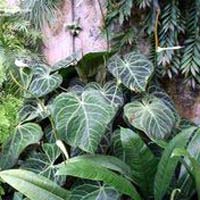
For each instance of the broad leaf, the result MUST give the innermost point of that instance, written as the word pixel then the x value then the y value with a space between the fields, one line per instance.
pixel 30 112
pixel 89 170
pixel 133 70
pixel 82 120
pixel 70 60
pixel 34 186
pixel 109 162
pixel 43 82
pixel 151 115
pixel 110 91
pixel 19 196
pixel 167 164
pixel 161 94
pixel 116 146
pixel 24 135
pixel 94 192
pixel 43 163
pixel 142 161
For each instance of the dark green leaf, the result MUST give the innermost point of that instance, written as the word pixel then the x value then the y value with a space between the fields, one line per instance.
pixel 167 164
pixel 142 161
pixel 24 135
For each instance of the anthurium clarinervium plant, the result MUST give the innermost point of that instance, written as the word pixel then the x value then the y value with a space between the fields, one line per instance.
pixel 118 138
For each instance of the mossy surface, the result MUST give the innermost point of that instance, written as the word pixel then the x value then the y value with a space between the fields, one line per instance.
pixel 9 106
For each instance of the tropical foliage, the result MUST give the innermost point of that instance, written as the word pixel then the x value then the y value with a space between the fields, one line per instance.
pixel 100 126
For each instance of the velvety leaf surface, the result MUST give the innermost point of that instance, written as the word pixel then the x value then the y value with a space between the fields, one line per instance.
pixel 110 91
pixel 152 116
pixel 43 82
pixel 24 135
pixel 133 70
pixel 43 163
pixel 94 192
pixel 82 120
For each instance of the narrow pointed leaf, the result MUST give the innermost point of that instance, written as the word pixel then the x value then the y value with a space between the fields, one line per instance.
pixel 109 162
pixel 139 157
pixel 92 171
pixel 167 164
pixel 195 166
pixel 34 186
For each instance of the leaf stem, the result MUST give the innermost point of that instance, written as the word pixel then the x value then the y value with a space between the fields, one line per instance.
pixel 39 101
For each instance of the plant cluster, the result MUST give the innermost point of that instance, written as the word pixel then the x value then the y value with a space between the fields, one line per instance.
pixel 172 26
pixel 99 126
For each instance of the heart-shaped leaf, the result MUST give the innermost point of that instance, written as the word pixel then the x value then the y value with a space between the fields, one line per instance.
pixel 151 115
pixel 30 112
pixel 94 192
pixel 110 91
pixel 43 163
pixel 24 135
pixel 34 186
pixel 43 82
pixel 82 120
pixel 133 70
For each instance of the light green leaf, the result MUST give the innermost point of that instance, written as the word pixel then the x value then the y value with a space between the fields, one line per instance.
pixel 142 161
pixel 151 115
pixel 94 192
pixel 43 163
pixel 167 164
pixel 110 91
pixel 24 135
pixel 34 186
pixel 133 70
pixel 90 170
pixel 19 196
pixel 82 120
pixel 43 82
pixel 116 145
pixel 109 162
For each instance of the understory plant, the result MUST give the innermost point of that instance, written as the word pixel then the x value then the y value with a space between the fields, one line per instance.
pixel 98 126
pixel 86 140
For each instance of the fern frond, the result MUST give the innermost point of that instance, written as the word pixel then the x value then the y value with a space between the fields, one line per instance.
pixel 40 12
pixel 143 4
pixel 190 65
pixel 120 10
pixel 170 27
